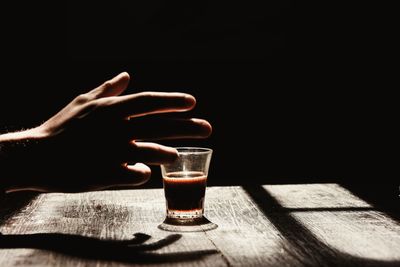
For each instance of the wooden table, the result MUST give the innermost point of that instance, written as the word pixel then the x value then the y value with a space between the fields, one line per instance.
pixel 261 225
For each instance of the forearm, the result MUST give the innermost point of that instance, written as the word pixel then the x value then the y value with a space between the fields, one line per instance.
pixel 21 136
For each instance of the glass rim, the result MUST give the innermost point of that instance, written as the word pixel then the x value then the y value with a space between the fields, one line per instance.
pixel 193 150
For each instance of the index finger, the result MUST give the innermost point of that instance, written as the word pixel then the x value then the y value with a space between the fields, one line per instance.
pixel 145 103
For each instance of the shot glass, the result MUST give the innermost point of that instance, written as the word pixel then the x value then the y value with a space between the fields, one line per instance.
pixel 184 183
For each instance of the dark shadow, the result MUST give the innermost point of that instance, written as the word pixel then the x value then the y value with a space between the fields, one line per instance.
pixel 301 243
pixel 326 209
pixel 14 203
pixel 133 250
pixel 384 196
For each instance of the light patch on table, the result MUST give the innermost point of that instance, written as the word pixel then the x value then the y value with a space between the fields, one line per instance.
pixel 352 232
pixel 244 235
pixel 314 196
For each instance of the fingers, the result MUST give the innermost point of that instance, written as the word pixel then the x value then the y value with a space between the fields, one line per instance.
pixel 162 129
pixel 112 87
pixel 128 176
pixel 139 171
pixel 146 103
pixel 140 104
pixel 150 153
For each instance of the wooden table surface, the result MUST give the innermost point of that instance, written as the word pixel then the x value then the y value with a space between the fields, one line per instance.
pixel 261 225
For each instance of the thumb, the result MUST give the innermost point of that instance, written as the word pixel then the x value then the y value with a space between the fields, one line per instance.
pixel 112 87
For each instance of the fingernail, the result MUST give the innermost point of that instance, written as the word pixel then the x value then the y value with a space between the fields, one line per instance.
pixel 206 128
pixel 173 155
pixel 190 100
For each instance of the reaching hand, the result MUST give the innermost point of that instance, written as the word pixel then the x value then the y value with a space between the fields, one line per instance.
pixel 98 140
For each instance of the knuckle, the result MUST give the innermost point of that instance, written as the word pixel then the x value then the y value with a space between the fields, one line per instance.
pixel 106 85
pixel 82 99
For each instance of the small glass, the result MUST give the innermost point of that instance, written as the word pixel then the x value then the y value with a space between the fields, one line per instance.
pixel 185 182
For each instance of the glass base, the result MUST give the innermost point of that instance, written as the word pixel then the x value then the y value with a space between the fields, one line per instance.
pixel 185 215
pixel 187 225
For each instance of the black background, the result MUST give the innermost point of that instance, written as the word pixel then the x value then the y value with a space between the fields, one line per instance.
pixel 296 92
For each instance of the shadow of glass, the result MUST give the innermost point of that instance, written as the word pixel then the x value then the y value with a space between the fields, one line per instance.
pixel 301 243
pixel 197 225
pixel 133 250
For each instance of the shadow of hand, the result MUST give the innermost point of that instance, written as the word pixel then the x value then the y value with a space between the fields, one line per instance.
pixel 133 250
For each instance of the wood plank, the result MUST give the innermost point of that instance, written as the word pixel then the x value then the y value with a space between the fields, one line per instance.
pixel 333 232
pixel 271 225
pixel 245 236
pixel 115 215
pixel 341 220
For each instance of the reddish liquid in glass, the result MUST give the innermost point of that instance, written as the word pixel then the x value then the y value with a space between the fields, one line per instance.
pixel 184 191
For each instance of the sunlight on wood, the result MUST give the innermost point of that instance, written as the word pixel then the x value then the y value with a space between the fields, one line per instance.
pixel 270 225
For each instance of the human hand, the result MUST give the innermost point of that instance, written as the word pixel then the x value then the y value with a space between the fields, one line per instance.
pixel 98 140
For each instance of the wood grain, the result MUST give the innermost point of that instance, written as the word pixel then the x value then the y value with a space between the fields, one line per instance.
pixel 270 225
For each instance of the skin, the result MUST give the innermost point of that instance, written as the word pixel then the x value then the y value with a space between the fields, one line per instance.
pixel 101 140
